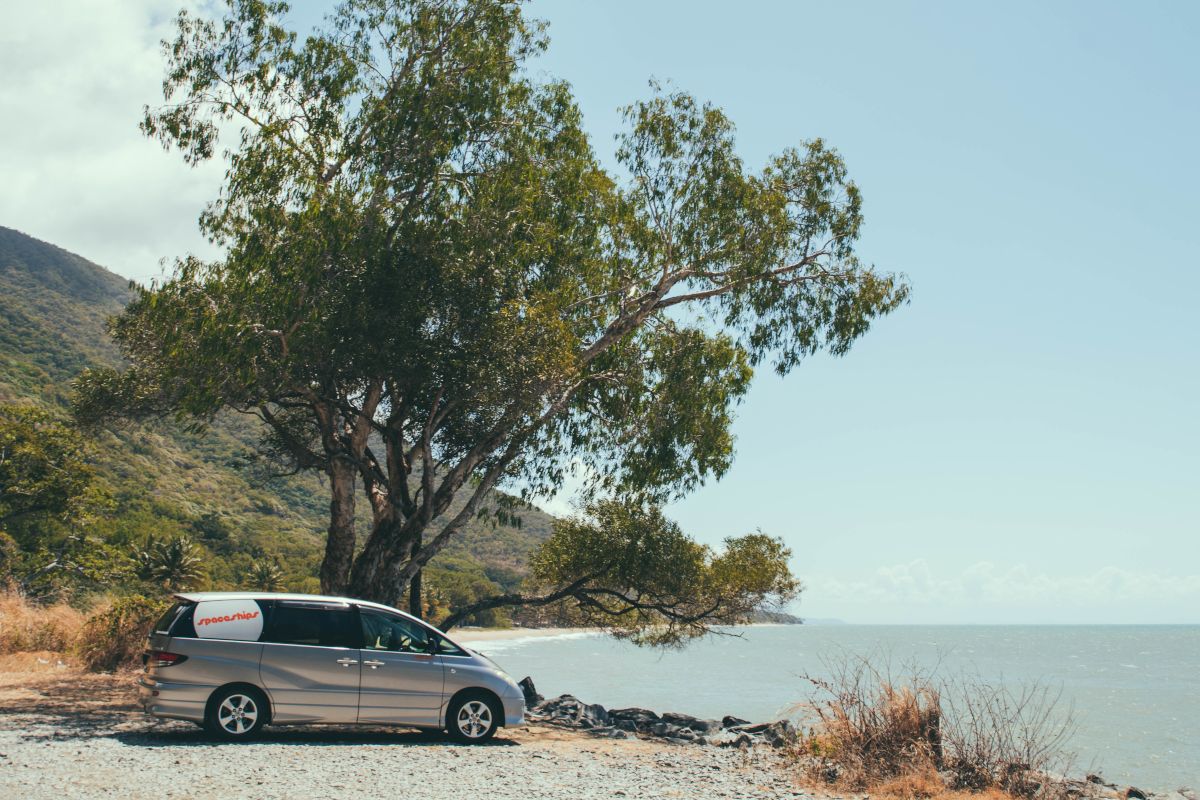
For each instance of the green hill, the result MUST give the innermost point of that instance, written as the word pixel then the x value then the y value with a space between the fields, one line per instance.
pixel 169 482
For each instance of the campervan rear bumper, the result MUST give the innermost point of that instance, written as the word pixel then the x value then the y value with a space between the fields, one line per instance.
pixel 173 700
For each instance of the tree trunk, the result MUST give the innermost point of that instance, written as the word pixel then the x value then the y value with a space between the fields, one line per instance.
pixel 339 546
pixel 414 586
pixel 373 575
pixel 414 596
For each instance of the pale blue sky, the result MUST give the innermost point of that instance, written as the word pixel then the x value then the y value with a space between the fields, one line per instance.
pixel 1019 444
pixel 1033 168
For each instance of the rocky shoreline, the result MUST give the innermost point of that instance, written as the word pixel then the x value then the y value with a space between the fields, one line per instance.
pixel 568 711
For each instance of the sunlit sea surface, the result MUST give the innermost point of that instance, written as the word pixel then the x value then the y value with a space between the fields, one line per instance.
pixel 1134 690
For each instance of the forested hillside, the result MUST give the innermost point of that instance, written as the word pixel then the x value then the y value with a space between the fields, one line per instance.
pixel 165 482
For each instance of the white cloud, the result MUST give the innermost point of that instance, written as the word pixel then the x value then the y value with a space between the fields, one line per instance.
pixel 987 592
pixel 76 171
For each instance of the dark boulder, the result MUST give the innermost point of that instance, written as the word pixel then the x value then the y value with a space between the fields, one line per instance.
pixel 559 709
pixel 640 719
pixel 532 698
pixel 690 722
pixel 594 716
pixel 684 720
pixel 780 734
pixel 678 734
pixel 731 721
pixel 571 712
pixel 1134 793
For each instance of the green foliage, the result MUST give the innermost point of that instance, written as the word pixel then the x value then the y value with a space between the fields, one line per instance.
pixel 627 568
pixel 115 638
pixel 44 342
pixel 160 480
pixel 265 576
pixel 174 564
pixel 70 565
pixel 457 583
pixel 44 469
pixel 432 282
pixel 660 586
pixel 9 553
pixel 50 497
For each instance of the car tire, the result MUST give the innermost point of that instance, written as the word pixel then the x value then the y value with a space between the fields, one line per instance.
pixel 473 718
pixel 236 713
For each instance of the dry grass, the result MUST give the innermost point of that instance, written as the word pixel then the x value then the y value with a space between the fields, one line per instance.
pixel 919 737
pixel 26 626
pixel 928 785
pixel 919 785
pixel 111 637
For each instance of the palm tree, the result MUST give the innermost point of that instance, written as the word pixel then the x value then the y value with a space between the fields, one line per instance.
pixel 266 576
pixel 175 564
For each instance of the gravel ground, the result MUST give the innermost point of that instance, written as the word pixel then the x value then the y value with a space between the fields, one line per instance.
pixel 64 734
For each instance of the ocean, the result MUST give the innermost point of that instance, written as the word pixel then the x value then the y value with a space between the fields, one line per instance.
pixel 1134 691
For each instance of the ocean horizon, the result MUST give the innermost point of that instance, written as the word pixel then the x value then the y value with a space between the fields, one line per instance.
pixel 1133 691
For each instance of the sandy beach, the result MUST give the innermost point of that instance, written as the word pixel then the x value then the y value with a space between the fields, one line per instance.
pixel 468 635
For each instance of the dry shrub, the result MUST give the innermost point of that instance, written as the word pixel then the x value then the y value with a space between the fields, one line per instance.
pixel 918 737
pixel 115 638
pixel 1005 738
pixel 871 729
pixel 26 626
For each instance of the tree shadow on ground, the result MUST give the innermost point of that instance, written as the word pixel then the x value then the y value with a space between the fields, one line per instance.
pixel 73 704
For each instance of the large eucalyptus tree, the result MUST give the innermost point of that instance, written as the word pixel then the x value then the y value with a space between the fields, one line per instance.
pixel 432 286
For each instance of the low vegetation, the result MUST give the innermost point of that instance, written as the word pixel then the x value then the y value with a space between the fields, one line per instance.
pixel 111 635
pixel 26 626
pixel 115 637
pixel 918 735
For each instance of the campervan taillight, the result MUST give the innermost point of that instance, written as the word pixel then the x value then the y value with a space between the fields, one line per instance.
pixel 161 658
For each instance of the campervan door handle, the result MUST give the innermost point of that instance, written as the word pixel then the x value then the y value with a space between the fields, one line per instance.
pixel 374 664
pixel 345 662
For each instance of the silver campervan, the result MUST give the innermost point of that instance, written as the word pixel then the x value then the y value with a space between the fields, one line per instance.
pixel 236 661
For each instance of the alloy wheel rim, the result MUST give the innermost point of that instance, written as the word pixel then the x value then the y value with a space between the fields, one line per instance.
pixel 237 714
pixel 475 719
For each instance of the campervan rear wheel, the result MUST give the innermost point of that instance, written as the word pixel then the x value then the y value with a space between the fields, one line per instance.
pixel 236 713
